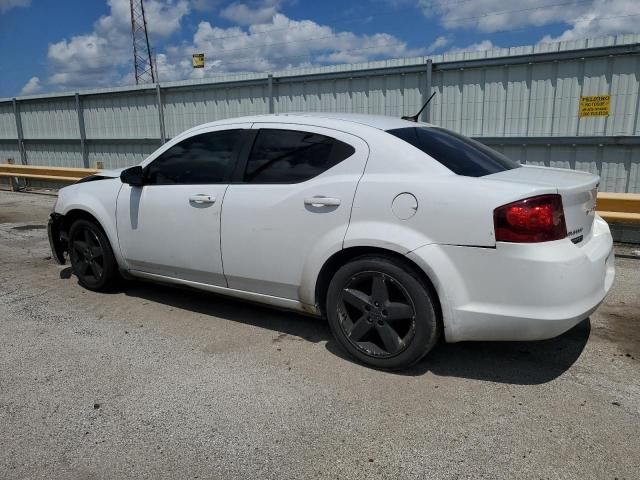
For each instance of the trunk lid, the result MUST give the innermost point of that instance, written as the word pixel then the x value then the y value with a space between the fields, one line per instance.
pixel 578 190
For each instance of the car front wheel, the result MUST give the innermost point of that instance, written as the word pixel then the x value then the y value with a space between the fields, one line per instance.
pixel 382 312
pixel 92 259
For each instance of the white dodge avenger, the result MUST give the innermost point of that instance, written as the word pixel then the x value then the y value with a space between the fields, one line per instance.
pixel 397 232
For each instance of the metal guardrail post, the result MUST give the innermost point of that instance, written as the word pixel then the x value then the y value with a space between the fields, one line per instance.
pixel 270 92
pixel 83 134
pixel 16 113
pixel 163 135
pixel 426 115
pixel 13 181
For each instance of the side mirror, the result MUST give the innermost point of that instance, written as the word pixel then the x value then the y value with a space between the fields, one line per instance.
pixel 133 176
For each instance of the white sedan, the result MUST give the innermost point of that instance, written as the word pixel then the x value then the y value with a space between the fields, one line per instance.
pixel 397 232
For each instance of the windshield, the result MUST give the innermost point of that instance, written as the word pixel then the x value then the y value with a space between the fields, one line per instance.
pixel 460 154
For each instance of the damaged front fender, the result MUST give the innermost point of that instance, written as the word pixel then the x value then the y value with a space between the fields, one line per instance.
pixel 57 238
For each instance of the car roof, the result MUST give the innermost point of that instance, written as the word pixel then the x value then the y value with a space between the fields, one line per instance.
pixel 321 119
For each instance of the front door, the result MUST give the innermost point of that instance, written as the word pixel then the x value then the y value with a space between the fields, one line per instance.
pixel 171 225
pixel 292 203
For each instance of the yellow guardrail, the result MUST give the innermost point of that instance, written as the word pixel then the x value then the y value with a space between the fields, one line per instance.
pixel 619 207
pixel 52 174
pixel 613 207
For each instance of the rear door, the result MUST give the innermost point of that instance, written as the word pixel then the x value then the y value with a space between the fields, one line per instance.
pixel 292 201
pixel 171 225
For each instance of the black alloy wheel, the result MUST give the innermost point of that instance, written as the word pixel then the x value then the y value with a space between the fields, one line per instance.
pixel 383 312
pixel 377 314
pixel 92 258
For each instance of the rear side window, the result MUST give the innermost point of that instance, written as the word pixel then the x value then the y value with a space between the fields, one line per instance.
pixel 205 158
pixel 291 156
pixel 458 153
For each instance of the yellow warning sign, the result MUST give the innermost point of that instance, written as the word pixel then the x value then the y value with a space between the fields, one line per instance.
pixel 198 60
pixel 595 106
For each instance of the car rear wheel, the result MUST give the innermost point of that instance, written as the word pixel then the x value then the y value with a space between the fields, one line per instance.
pixel 92 259
pixel 382 312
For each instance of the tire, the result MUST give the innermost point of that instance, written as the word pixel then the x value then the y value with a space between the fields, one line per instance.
pixel 370 299
pixel 91 256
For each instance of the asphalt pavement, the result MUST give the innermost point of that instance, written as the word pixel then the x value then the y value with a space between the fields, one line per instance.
pixel 159 382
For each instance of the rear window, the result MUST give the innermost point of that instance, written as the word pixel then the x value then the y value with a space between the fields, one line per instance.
pixel 292 156
pixel 460 154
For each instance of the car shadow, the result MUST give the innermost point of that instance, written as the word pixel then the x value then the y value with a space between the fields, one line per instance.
pixel 517 363
pixel 310 328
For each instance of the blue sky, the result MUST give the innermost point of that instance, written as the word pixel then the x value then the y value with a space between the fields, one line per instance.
pixel 48 45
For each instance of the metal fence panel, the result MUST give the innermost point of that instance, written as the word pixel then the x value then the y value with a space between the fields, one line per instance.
pixel 588 158
pixel 529 96
pixel 567 99
pixel 561 156
pixel 118 155
pixel 121 116
pixel 9 150
pixel 613 174
pixel 360 95
pixel 49 119
pixel 624 95
pixel 187 108
pixel 517 110
pixel 59 154
pixel 495 100
pixel 633 182
pixel 542 79
pixel 514 152
pixel 450 105
pixel 7 121
pixel 472 102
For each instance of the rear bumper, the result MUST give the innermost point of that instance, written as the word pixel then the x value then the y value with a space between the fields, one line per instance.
pixel 520 291
pixel 56 241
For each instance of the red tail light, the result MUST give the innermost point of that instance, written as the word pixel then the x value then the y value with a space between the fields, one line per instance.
pixel 535 219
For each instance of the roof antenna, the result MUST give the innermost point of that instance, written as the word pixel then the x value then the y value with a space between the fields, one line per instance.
pixel 414 118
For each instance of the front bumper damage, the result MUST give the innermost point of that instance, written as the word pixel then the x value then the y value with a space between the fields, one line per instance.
pixel 58 240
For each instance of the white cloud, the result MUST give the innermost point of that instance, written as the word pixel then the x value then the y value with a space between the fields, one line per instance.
pixel 6 5
pixel 494 15
pixel 279 44
pixel 603 18
pixel 163 17
pixel 95 59
pixel 31 87
pixel 204 5
pixel 244 14
pixel 438 43
pixel 103 56
pixel 586 18
pixel 475 47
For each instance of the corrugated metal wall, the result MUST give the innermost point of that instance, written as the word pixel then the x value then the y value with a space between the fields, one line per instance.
pixel 522 101
pixel 7 122
pixel 185 108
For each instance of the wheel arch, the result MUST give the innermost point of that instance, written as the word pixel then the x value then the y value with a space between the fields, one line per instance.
pixel 77 212
pixel 340 258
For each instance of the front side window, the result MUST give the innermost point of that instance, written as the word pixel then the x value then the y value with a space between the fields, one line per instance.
pixel 201 159
pixel 458 153
pixel 291 156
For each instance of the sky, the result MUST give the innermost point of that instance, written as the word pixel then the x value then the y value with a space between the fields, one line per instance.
pixel 52 45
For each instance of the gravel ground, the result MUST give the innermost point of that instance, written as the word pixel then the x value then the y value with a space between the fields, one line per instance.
pixel 158 382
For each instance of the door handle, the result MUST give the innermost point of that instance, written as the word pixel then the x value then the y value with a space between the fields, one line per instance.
pixel 322 201
pixel 202 198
